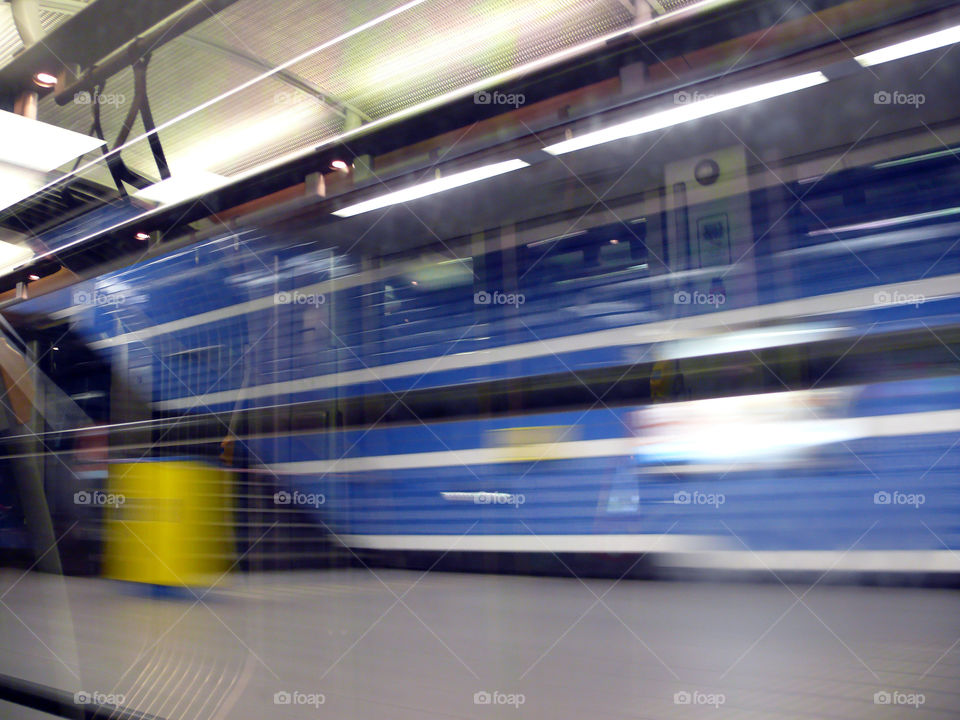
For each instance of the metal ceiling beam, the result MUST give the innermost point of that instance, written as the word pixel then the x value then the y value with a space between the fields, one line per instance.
pixel 64 7
pixel 340 107
pixel 26 16
pixel 96 30
pixel 189 15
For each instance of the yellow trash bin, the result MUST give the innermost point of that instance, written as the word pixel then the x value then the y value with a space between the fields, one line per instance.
pixel 168 523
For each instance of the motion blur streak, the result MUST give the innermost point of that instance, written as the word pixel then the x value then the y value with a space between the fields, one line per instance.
pixel 576 359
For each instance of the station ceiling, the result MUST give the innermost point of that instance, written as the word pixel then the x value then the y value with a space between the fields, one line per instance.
pixel 422 51
pixel 258 80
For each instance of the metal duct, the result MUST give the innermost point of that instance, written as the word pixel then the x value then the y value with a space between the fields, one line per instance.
pixel 26 16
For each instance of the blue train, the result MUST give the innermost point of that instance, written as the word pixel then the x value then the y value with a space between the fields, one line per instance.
pixel 705 374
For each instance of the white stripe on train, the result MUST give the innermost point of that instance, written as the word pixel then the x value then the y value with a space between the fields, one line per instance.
pixel 905 424
pixel 698 552
pixel 655 332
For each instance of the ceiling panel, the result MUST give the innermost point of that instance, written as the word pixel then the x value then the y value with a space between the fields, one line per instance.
pixel 417 54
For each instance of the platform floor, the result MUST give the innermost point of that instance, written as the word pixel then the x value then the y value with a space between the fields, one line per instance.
pixel 397 644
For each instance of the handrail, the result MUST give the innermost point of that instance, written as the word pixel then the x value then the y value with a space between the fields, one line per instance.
pixel 61 703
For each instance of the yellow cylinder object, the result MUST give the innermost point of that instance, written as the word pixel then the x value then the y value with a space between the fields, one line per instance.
pixel 168 523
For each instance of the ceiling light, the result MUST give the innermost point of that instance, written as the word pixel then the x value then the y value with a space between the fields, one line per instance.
pixel 12 256
pixel 688 112
pixel 910 47
pixel 45 80
pixel 432 187
pixel 33 277
pixel 35 145
pixel 340 165
pixel 17 183
pixel 142 236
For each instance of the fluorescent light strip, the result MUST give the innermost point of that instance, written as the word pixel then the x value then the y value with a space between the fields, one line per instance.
pixel 40 146
pixel 691 111
pixel 915 46
pixel 12 256
pixel 432 187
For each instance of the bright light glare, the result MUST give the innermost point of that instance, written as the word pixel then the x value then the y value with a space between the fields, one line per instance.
pixel 688 112
pixel 35 145
pixel 12 256
pixel 182 185
pixel 45 80
pixel 746 341
pixel 17 183
pixel 910 47
pixel 432 187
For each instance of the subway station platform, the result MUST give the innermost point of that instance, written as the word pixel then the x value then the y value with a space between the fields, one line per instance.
pixel 399 644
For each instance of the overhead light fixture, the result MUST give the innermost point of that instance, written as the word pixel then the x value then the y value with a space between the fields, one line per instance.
pixel 340 166
pixel 688 112
pixel 183 184
pixel 142 236
pixel 13 256
pixel 44 80
pixel 910 47
pixel 35 145
pixel 17 183
pixel 432 187
pixel 33 277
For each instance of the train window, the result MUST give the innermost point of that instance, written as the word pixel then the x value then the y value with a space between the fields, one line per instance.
pixel 586 253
